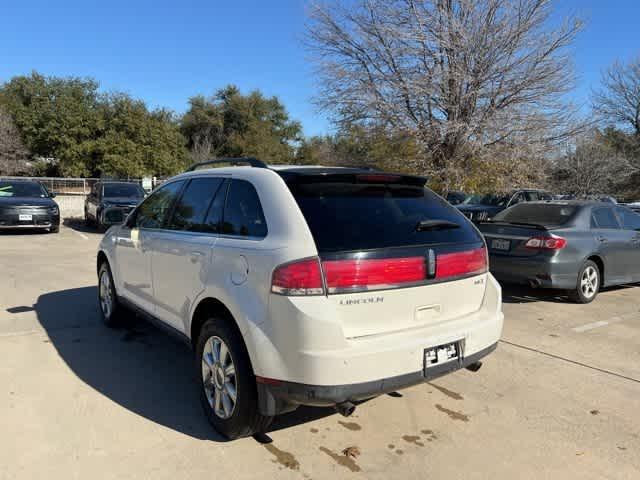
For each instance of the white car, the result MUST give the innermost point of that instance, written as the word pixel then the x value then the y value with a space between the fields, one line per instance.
pixel 303 285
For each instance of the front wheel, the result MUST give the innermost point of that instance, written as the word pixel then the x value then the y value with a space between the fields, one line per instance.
pixel 588 286
pixel 227 384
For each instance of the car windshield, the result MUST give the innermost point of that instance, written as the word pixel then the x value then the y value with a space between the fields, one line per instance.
pixel 22 189
pixel 548 215
pixel 115 190
pixel 490 200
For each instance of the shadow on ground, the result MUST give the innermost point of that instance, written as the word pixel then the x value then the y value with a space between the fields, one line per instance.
pixel 79 225
pixel 138 367
pixel 522 294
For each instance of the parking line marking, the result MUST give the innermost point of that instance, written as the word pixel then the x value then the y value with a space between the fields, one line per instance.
pixel 590 326
pixel 82 235
pixel 604 323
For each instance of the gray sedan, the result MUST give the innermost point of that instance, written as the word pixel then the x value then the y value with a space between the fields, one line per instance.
pixel 578 246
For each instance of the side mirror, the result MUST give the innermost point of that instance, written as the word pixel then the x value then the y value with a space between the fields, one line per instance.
pixel 131 220
pixel 52 195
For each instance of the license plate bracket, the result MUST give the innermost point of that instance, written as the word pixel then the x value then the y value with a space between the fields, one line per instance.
pixel 500 244
pixel 435 356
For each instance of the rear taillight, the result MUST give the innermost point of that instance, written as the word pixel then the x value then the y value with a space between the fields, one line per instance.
pixel 546 243
pixel 345 275
pixel 457 264
pixel 305 277
pixel 302 277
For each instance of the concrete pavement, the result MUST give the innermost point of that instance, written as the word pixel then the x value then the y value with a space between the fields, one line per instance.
pixel 559 398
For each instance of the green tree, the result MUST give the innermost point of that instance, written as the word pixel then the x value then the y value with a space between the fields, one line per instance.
pixel 231 124
pixel 92 134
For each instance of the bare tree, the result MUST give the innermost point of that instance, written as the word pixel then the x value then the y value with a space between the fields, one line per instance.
pixel 13 154
pixel 618 99
pixel 592 167
pixel 459 75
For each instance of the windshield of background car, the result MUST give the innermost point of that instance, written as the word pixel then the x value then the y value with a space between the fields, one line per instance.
pixel 22 189
pixel 538 214
pixel 352 216
pixel 488 200
pixel 123 190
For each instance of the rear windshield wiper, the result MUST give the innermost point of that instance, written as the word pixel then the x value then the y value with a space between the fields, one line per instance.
pixel 435 225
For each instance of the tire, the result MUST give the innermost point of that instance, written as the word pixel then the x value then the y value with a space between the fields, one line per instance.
pixel 115 315
pixel 588 283
pixel 55 229
pixel 87 221
pixel 235 419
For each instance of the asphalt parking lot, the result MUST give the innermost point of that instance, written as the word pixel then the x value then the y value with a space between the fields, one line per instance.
pixel 560 398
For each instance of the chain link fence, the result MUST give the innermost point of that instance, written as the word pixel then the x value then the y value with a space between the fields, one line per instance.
pixel 69 186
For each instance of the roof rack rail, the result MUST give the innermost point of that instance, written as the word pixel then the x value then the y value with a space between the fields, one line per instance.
pixel 236 162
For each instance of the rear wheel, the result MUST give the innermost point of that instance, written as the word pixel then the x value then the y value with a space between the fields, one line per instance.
pixel 112 311
pixel 589 281
pixel 227 384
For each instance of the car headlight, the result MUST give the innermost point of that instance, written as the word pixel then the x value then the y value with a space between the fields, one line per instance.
pixel 54 210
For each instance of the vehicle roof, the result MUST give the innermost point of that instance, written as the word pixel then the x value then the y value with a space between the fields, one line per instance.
pixel 119 182
pixel 576 203
pixel 20 180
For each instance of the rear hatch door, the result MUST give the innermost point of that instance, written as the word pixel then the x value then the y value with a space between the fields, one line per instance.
pixel 394 254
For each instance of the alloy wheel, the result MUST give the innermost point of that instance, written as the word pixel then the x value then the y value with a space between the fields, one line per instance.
pixel 219 377
pixel 589 282
pixel 106 294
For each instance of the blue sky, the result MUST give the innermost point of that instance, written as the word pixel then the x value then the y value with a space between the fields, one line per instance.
pixel 165 52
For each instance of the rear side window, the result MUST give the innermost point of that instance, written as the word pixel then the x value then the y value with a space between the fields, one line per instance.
pixel 630 220
pixel 352 216
pixel 153 212
pixel 189 212
pixel 604 218
pixel 538 214
pixel 243 213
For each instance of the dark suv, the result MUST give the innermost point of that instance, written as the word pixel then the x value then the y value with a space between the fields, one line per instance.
pixel 479 208
pixel 109 203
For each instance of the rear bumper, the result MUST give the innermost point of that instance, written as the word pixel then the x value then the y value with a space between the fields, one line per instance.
pixel 285 396
pixel 534 272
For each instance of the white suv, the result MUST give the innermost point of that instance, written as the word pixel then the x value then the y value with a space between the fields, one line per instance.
pixel 303 285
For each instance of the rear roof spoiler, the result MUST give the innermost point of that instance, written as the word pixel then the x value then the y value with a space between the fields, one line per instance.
pixel 224 162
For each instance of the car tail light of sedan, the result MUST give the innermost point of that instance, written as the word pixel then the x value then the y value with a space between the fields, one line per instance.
pixel 552 242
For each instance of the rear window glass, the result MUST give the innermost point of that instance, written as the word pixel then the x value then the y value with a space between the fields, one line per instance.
pixel 539 214
pixel 243 213
pixel 349 216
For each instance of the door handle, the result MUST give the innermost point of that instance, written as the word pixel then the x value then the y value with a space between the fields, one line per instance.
pixel 602 239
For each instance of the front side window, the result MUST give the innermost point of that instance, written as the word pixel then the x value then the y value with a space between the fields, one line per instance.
pixel 153 212
pixel 189 212
pixel 604 218
pixel 243 213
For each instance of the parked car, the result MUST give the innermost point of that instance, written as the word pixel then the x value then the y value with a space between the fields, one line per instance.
pixel 303 286
pixel 455 198
pixel 578 246
pixel 635 206
pixel 479 208
pixel 110 202
pixel 28 204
